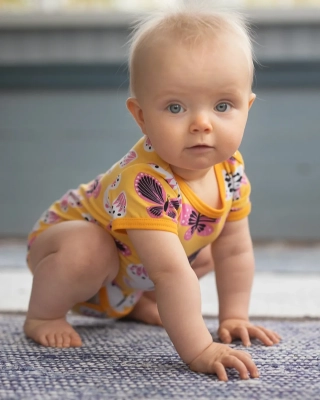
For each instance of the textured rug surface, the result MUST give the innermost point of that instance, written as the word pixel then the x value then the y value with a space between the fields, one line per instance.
pixel 127 360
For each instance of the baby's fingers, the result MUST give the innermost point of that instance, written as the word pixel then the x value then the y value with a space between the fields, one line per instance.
pixel 243 334
pixel 271 335
pixel 218 369
pixel 248 362
pixel 263 334
pixel 241 366
pixel 225 335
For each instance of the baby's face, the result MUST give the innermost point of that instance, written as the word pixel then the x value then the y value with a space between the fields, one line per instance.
pixel 195 102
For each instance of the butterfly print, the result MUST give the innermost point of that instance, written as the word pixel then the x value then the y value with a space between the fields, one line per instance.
pixel 167 176
pixel 119 206
pixel 30 242
pixel 138 278
pixel 70 199
pixel 197 222
pixel 50 217
pixel 118 300
pixel 115 183
pixel 107 204
pixel 123 248
pixel 106 200
pixel 94 188
pixel 150 189
pixel 232 160
pixel 132 155
pixel 233 182
pixel 89 218
pixel 148 145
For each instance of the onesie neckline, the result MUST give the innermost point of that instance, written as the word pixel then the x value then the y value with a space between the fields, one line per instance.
pixel 200 205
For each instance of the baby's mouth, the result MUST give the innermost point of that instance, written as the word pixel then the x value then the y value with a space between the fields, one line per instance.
pixel 201 146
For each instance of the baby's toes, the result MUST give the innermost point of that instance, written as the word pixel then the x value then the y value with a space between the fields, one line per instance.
pixel 66 339
pixel 43 340
pixel 51 338
pixel 75 340
pixel 59 340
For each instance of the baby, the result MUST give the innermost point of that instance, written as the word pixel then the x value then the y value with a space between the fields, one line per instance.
pixel 176 202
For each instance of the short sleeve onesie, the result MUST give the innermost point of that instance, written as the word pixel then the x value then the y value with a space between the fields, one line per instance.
pixel 141 192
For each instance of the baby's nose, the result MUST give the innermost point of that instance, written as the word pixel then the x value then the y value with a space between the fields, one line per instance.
pixel 201 123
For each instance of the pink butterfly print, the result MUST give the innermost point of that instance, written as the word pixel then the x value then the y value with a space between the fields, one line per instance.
pixel 70 199
pixel 30 242
pixel 233 209
pixel 50 217
pixel 239 177
pixel 198 222
pixel 123 248
pixel 138 277
pixel 238 181
pixel 232 160
pixel 119 206
pixel 118 300
pixel 89 218
pixel 150 189
pixel 107 205
pixel 167 176
pixel 148 145
pixel 115 183
pixel 234 181
pixel 94 187
pixel 244 179
pixel 132 155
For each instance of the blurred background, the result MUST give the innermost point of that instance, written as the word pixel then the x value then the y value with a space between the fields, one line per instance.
pixel 63 120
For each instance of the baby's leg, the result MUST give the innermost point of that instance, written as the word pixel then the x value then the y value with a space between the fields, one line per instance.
pixel 70 261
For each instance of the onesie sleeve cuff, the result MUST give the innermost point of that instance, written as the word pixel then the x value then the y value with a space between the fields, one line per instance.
pixel 237 215
pixel 144 224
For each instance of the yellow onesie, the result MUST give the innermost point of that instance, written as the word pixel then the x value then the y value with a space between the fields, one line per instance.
pixel 141 192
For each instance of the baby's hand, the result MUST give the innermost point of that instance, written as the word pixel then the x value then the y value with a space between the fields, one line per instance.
pixel 215 358
pixel 238 328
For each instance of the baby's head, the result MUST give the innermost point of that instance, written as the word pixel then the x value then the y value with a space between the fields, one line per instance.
pixel 186 27
pixel 191 73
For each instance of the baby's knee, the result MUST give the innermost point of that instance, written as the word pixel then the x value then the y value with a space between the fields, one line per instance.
pixel 81 249
pixel 92 252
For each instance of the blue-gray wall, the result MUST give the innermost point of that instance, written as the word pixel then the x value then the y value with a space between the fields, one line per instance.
pixel 63 120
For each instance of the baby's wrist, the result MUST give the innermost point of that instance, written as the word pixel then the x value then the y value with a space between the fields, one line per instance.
pixel 243 317
pixel 199 355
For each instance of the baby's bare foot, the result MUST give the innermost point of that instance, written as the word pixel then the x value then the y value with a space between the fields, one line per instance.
pixel 146 311
pixel 52 333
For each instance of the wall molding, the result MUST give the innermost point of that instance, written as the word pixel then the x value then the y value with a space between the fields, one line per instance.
pixel 115 76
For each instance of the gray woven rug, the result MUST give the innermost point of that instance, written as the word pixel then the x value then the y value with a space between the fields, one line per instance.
pixel 127 360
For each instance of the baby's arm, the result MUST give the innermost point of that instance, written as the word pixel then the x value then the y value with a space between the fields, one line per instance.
pixel 179 302
pixel 234 266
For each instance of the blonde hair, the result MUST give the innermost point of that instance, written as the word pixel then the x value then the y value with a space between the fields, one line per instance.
pixel 189 25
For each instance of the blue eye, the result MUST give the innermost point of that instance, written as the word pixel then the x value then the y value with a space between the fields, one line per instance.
pixel 175 108
pixel 222 107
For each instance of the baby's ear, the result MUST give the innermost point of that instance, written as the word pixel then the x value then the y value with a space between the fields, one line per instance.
pixel 251 99
pixel 137 113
